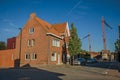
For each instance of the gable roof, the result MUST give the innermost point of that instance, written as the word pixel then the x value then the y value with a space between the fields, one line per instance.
pixel 60 27
pixel 55 29
pixel 44 24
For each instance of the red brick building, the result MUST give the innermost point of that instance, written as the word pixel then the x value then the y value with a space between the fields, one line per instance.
pixel 40 42
pixel 11 43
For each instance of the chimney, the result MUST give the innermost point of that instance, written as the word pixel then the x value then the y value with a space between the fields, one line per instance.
pixel 32 16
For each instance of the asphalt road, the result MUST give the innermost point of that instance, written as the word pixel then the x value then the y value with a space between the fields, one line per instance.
pixel 98 71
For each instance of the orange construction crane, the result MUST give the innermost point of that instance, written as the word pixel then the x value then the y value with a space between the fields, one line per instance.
pixel 89 45
pixel 104 36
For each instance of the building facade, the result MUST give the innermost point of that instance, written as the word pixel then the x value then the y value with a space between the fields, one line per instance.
pixel 41 43
pixel 11 43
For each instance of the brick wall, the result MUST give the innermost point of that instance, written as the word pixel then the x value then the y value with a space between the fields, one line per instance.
pixel 7 58
pixel 40 47
pixel 11 43
pixel 57 50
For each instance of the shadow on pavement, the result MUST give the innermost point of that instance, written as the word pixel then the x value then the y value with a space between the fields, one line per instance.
pixel 28 73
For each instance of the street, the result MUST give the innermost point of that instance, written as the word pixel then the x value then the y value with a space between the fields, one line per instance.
pixel 97 71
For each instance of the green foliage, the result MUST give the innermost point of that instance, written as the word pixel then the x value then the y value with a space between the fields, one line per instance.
pixel 2 45
pixel 75 44
pixel 117 44
pixel 86 56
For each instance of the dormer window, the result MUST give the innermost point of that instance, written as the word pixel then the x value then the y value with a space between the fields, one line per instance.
pixel 31 31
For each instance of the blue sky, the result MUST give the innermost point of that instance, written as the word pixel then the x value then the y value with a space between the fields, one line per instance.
pixel 86 15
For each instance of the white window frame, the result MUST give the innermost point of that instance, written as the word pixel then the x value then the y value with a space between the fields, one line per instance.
pixel 34 56
pixel 53 42
pixel 53 56
pixel 32 42
pixel 27 56
pixel 31 30
pixel 56 42
pixel 28 42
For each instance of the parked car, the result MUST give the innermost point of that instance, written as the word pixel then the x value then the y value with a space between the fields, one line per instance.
pixel 80 61
pixel 95 60
pixel 92 60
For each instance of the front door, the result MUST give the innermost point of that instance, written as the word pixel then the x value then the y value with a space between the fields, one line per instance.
pixel 58 58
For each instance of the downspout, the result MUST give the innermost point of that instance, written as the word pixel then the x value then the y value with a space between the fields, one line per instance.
pixel 48 49
pixel 20 46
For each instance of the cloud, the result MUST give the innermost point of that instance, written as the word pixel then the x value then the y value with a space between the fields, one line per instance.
pixel 76 5
pixel 83 7
pixel 78 10
pixel 5 20
pixel 10 23
pixel 8 30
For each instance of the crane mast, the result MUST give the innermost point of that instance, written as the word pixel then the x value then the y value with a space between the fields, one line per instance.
pixel 104 52
pixel 103 34
pixel 89 44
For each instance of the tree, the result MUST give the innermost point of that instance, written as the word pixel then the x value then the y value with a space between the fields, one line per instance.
pixel 75 44
pixel 117 45
pixel 2 45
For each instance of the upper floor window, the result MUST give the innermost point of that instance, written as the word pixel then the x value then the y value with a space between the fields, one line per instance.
pixel 31 30
pixel 33 42
pixel 56 43
pixel 29 43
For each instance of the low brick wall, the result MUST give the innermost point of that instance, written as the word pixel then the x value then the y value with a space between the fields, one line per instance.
pixel 7 58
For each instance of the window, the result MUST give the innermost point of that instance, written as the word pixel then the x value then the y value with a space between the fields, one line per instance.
pixel 53 57
pixel 53 42
pixel 29 43
pixel 31 31
pixel 56 43
pixel 27 56
pixel 33 42
pixel 34 56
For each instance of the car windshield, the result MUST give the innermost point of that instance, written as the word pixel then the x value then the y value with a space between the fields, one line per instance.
pixel 81 59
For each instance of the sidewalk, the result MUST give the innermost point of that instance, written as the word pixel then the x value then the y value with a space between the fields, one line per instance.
pixel 114 73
